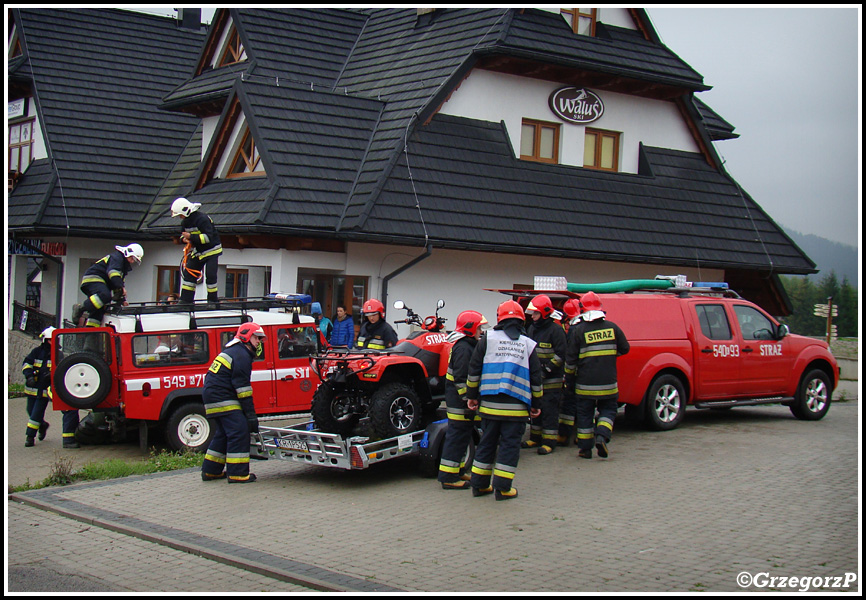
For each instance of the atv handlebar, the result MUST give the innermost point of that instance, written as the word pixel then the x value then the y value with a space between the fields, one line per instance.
pixel 432 323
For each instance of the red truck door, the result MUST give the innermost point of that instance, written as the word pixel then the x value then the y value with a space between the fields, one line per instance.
pixel 718 355
pixel 765 368
pixel 294 382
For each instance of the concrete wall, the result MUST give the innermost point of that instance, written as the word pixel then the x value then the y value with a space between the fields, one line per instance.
pixel 18 345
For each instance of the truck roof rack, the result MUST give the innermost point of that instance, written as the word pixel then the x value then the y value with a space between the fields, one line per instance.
pixel 284 301
pixel 684 292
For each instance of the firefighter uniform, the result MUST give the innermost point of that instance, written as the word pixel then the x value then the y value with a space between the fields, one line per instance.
pixel 101 280
pixel 376 336
pixel 37 375
pixel 228 403
pixel 551 340
pixel 505 376
pixel 590 372
pixel 461 420
pixel 205 256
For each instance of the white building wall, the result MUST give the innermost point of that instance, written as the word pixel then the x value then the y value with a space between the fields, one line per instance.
pixel 141 283
pixel 208 128
pixel 460 278
pixel 497 97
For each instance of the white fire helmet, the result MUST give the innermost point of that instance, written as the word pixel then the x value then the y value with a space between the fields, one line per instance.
pixel 133 250
pixel 183 207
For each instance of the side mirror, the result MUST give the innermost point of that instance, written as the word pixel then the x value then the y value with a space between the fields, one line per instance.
pixel 399 305
pixel 782 331
pixel 440 304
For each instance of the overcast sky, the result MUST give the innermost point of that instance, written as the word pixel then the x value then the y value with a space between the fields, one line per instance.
pixel 788 80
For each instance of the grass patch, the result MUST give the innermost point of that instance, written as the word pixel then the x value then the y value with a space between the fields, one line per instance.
pixel 15 390
pixel 61 472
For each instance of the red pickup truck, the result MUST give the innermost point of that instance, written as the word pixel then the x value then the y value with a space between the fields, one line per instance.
pixel 710 349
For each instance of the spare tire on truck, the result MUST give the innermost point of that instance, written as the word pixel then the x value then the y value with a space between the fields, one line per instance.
pixel 82 380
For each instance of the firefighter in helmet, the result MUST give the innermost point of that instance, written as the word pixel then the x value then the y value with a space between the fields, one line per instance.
pixel 594 343
pixel 199 233
pixel 550 337
pixel 104 281
pixel 37 387
pixel 504 385
pixel 567 408
pixel 228 403
pixel 375 333
pixel 461 420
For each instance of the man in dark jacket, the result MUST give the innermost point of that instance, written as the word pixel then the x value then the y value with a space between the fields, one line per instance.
pixel 198 231
pixel 376 333
pixel 594 344
pixel 461 420
pixel 550 337
pixel 104 280
pixel 343 333
pixel 505 386
pixel 37 387
pixel 228 403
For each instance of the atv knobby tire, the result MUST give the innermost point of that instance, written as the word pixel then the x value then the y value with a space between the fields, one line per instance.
pixel 396 409
pixel 330 411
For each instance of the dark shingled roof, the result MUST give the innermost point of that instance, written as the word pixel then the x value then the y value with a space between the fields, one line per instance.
pixel 612 50
pixel 308 45
pixel 716 126
pixel 475 194
pixel 331 96
pixel 99 77
pixel 312 144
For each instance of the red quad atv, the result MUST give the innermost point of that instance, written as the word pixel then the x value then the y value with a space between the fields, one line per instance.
pixel 399 389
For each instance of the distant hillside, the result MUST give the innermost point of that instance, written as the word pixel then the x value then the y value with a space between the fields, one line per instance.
pixel 828 256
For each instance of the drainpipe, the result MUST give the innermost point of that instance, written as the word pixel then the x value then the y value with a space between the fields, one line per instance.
pixel 407 266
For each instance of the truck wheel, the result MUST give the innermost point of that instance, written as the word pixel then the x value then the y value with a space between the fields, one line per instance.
pixel 92 430
pixel 332 412
pixel 665 403
pixel 187 428
pixel 813 396
pixel 82 380
pixel 395 409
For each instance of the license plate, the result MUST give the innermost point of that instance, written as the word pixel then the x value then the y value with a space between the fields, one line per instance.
pixel 297 445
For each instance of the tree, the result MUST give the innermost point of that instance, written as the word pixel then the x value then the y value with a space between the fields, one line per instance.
pixel 848 320
pixel 805 294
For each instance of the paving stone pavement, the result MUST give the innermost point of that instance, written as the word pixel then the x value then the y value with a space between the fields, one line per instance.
pixel 750 490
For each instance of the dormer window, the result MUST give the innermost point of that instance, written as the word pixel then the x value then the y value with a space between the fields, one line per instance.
pixel 234 49
pixel 247 161
pixel 582 20
pixel 14 45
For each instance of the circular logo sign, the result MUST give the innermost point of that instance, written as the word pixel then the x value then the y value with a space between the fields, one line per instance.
pixel 576 105
pixel 306 385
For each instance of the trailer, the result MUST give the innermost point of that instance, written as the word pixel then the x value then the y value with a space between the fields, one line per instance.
pixel 305 444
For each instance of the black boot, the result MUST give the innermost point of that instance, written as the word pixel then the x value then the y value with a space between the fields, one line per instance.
pixel 601 446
